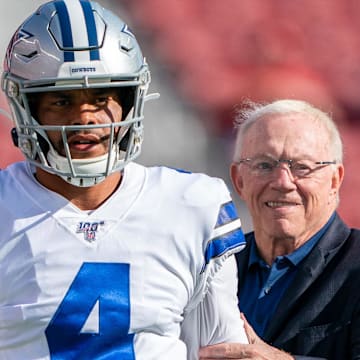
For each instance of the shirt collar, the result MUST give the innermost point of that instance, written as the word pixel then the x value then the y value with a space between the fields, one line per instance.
pixel 296 256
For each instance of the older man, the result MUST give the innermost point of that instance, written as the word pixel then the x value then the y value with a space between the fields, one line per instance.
pixel 299 275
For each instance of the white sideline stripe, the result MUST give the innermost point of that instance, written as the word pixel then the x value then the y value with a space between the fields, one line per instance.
pixel 224 229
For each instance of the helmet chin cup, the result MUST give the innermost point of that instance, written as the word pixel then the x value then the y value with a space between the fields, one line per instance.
pixel 82 170
pixel 40 59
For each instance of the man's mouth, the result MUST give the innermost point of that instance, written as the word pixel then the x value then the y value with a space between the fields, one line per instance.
pixel 278 204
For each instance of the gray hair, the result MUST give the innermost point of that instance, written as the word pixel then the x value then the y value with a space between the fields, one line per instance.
pixel 252 111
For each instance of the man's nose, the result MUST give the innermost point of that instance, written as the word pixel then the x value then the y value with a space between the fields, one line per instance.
pixel 84 114
pixel 284 167
pixel 283 177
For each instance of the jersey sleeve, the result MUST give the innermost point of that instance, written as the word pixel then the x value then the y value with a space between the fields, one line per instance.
pixel 216 319
pixel 212 315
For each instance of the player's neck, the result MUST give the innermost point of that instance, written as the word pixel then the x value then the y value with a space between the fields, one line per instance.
pixel 85 198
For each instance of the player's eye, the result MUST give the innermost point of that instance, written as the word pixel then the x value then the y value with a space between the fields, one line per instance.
pixel 61 102
pixel 102 100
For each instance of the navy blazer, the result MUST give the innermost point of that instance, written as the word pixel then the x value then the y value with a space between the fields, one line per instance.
pixel 318 316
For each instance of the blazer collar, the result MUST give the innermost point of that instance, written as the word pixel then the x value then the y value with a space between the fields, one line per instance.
pixel 311 268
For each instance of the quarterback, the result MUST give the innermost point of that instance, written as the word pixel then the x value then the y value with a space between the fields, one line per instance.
pixel 101 257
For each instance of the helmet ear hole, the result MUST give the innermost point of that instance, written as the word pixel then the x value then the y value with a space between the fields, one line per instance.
pixel 15 137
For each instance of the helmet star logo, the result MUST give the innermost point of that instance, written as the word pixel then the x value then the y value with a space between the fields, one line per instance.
pixel 19 35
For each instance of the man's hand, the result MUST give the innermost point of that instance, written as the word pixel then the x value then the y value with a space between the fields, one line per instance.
pixel 257 349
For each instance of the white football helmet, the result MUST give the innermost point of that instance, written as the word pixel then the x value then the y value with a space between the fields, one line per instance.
pixel 68 45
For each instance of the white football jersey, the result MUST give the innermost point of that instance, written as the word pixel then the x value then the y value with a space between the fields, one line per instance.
pixel 148 275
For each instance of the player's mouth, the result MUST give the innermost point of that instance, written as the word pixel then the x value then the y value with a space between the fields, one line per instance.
pixel 86 143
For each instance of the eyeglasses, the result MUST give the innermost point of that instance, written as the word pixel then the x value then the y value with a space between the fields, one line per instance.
pixel 265 166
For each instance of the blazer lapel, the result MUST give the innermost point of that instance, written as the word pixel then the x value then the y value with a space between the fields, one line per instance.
pixel 286 320
pixel 305 276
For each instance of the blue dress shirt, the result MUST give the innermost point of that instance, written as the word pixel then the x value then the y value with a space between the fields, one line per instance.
pixel 264 285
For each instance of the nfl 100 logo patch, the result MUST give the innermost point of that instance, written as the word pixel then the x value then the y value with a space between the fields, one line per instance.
pixel 89 229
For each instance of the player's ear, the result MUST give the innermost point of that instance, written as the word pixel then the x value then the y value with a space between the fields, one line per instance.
pixel 236 178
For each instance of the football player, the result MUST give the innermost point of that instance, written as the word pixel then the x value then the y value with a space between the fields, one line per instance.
pixel 100 257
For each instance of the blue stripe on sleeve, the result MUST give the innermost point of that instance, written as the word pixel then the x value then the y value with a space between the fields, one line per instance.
pixel 227 214
pixel 224 243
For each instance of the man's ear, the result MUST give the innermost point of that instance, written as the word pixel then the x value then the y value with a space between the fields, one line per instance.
pixel 236 178
pixel 337 178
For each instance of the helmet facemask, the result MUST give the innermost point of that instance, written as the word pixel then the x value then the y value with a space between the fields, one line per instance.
pixel 124 142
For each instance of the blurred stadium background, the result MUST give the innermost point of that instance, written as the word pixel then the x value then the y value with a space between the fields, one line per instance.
pixel 206 56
